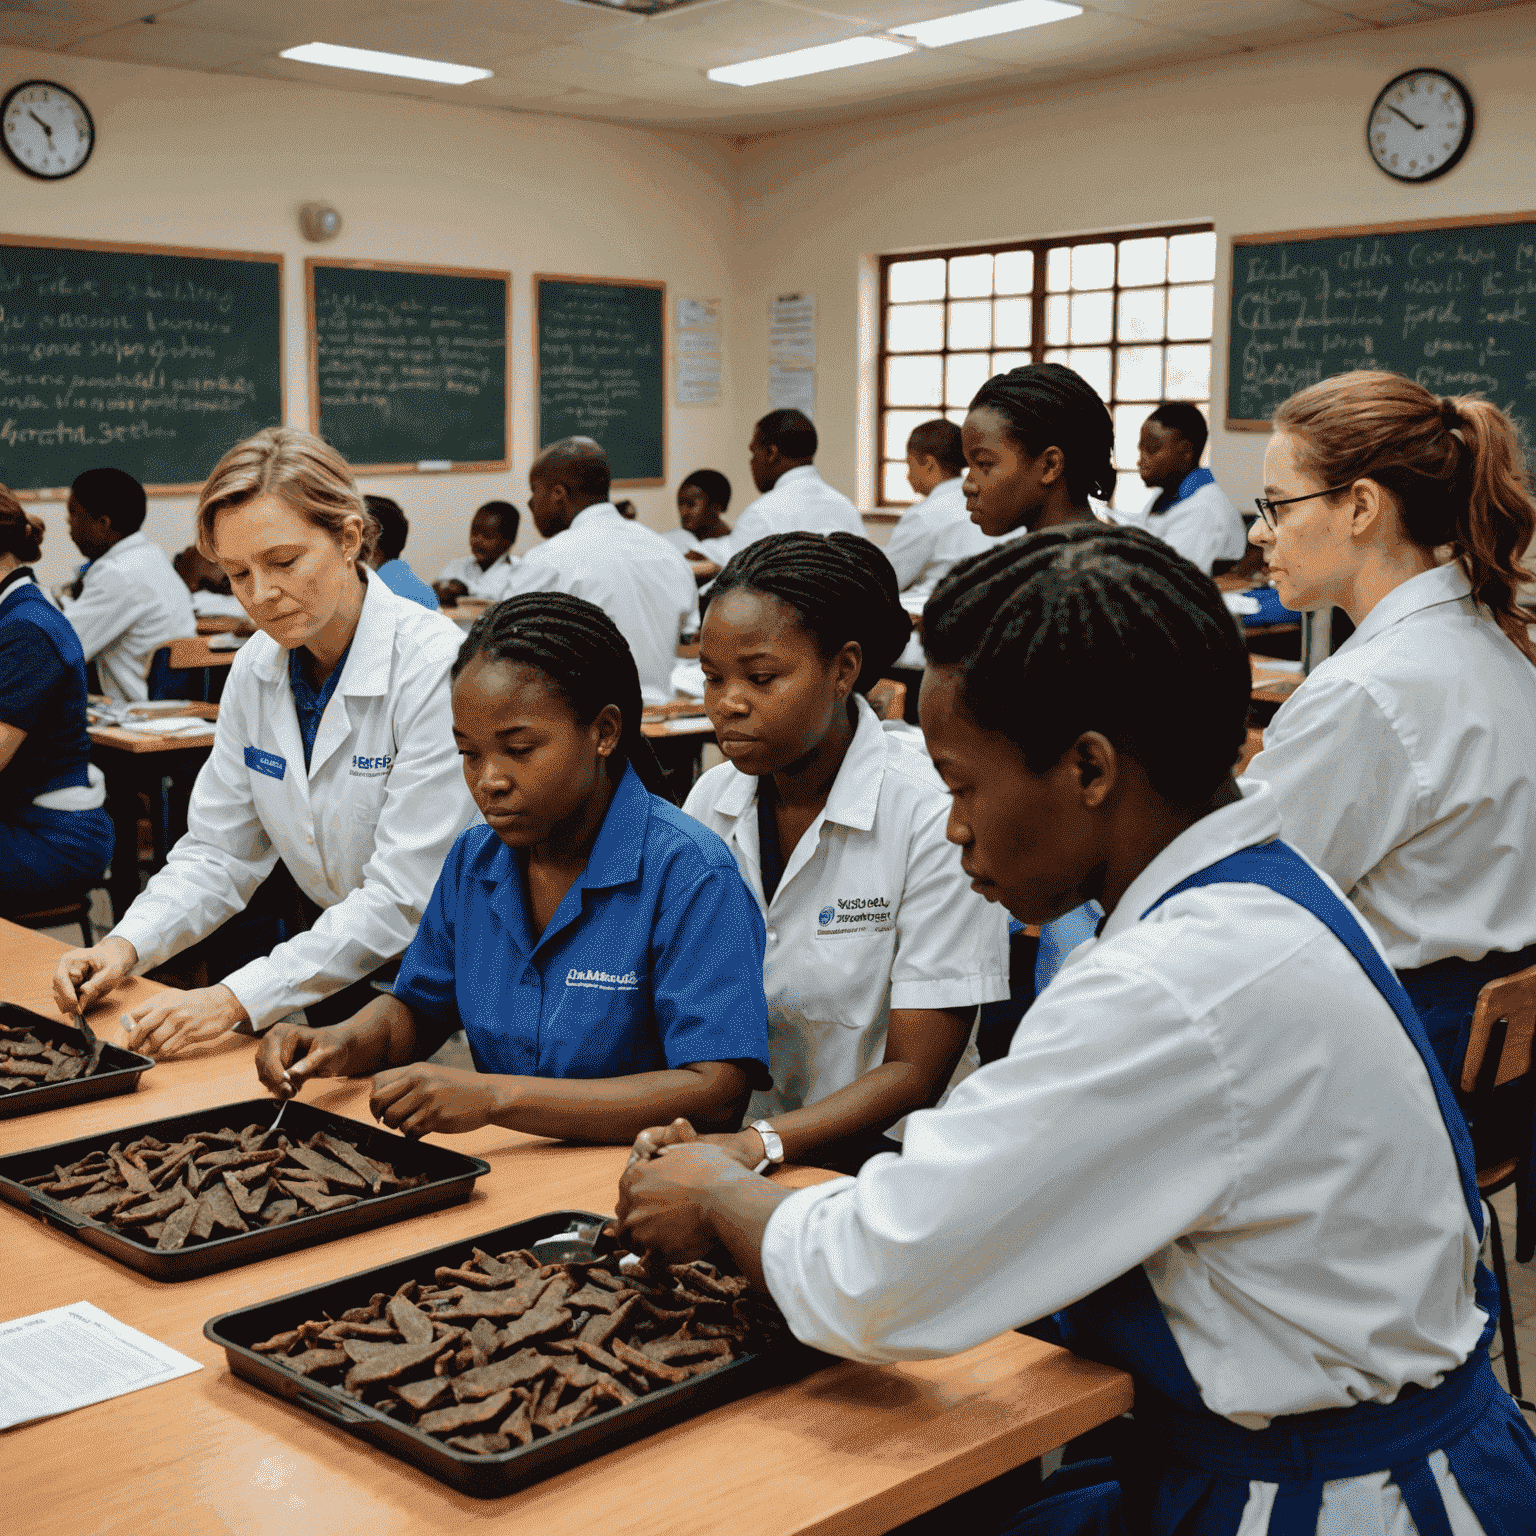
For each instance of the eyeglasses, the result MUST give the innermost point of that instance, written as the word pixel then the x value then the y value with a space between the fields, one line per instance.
pixel 1267 507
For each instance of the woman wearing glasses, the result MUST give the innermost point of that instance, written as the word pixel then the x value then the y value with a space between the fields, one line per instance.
pixel 1404 764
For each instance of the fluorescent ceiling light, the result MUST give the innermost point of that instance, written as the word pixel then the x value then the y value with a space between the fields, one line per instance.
pixel 811 61
pixel 373 63
pixel 989 22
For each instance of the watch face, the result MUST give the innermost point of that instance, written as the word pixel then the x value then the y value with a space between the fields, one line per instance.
pixel 46 130
pixel 1420 125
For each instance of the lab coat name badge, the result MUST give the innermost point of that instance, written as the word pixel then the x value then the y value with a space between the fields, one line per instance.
pixel 268 763
pixel 854 915
pixel 604 981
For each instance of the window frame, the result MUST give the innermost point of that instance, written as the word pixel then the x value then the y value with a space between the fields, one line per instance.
pixel 890 511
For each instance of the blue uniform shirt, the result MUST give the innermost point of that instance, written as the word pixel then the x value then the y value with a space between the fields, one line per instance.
pixel 42 692
pixel 653 959
pixel 308 704
pixel 404 582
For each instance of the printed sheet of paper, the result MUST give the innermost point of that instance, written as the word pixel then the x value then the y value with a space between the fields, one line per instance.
pixel 792 331
pixel 72 1356
pixel 792 388
pixel 697 350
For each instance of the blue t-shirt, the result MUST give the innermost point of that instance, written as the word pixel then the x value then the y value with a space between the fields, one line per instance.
pixel 42 692
pixel 404 582
pixel 309 703
pixel 654 958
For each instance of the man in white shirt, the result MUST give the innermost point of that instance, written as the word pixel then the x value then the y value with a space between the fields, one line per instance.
pixel 1187 508
pixel 936 532
pixel 794 498
pixel 131 600
pixel 630 571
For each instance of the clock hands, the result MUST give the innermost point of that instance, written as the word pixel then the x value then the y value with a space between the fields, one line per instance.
pixel 1404 116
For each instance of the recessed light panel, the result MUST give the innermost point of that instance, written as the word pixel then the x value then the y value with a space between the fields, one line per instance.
pixel 369 62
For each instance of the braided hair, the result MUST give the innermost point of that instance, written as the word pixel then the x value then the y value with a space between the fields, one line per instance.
pixel 842 587
pixel 1093 628
pixel 579 649
pixel 1048 405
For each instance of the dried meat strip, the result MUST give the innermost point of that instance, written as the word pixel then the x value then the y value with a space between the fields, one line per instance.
pixel 177 1228
pixel 325 1168
pixel 412 1324
pixel 447 1421
pixel 525 1366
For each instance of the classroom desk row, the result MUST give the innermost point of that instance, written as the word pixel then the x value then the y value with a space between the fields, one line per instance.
pixel 848 1449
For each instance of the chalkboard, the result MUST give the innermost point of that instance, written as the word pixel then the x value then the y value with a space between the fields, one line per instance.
pixel 153 359
pixel 601 362
pixel 1450 303
pixel 408 365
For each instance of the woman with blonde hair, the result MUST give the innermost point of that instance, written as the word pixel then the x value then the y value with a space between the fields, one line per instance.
pixel 334 754
pixel 1404 764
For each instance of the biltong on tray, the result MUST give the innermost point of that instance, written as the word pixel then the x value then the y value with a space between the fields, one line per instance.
pixel 287 1347
pixel 447 1177
pixel 119 1071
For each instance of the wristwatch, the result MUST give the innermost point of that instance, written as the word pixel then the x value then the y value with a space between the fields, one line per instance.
pixel 772 1146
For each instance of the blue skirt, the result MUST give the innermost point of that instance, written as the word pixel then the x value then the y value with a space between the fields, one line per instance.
pixel 45 854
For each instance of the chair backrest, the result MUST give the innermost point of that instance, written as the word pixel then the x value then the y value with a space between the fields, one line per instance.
pixel 1252 746
pixel 888 699
pixel 167 682
pixel 1503 1038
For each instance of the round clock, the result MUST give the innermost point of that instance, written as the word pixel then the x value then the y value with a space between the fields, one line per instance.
pixel 1420 125
pixel 46 129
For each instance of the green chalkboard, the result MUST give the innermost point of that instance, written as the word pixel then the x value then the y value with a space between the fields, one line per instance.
pixel 408 365
pixel 1450 304
pixel 153 359
pixel 601 354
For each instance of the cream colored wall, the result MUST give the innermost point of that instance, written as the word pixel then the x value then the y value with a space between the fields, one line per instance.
pixel 1272 141
pixel 224 162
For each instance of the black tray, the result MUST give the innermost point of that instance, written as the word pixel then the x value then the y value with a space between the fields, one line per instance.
pixel 451 1178
pixel 483 1476
pixel 119 1071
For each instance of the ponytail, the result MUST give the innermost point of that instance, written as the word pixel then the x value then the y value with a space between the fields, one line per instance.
pixel 1454 465
pixel 579 649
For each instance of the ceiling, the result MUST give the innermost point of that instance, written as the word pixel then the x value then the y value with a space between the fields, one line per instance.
pixel 581 59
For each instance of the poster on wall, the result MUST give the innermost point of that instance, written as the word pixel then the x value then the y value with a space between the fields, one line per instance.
pixel 697 349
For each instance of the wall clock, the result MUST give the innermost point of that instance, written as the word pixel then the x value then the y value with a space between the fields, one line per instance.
pixel 1420 125
pixel 46 129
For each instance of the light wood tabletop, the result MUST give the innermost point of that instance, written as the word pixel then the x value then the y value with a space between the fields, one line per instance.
pixel 1271 684
pixel 138 742
pixel 850 1449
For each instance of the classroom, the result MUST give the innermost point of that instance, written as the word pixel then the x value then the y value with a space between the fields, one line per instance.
pixel 976 555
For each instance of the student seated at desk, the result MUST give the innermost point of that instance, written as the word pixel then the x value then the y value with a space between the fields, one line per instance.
pixel 793 498
pixel 596 945
pixel 485 570
pixel 1222 1154
pixel 1404 763
pixel 878 952
pixel 54 834
pixel 394 530
pixel 933 534
pixel 332 753
pixel 131 600
pixel 1038 442
pixel 704 536
pixel 1187 508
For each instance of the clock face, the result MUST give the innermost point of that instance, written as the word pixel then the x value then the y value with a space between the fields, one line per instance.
pixel 1420 125
pixel 46 129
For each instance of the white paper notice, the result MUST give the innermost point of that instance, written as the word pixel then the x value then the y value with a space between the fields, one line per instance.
pixel 698 352
pixel 792 331
pixel 55 1361
pixel 792 388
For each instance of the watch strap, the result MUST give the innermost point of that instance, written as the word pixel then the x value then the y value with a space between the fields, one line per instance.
pixel 773 1147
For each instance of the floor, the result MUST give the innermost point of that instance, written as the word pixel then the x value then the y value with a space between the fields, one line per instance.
pixel 1522 1277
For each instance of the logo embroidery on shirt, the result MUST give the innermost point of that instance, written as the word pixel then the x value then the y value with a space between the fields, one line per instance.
pixel 855 914
pixel 603 981
pixel 370 767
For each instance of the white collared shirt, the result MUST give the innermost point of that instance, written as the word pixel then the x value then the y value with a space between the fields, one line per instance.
pixel 800 502
pixel 1217 1092
pixel 1405 766
pixel 131 603
pixel 872 912
pixel 494 582
pixel 1204 526
pixel 633 574
pixel 716 549
pixel 932 535
pixel 364 832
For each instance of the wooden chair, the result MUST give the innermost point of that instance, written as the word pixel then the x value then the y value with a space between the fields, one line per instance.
pixel 74 908
pixel 888 699
pixel 1501 1051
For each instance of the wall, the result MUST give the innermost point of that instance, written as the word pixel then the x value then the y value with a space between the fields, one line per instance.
pixel 224 161
pixel 1270 141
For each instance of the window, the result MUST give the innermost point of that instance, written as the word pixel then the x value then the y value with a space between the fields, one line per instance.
pixel 1130 312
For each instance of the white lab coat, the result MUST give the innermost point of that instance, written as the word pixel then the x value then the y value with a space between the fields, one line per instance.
pixel 498 580
pixel 1217 1092
pixel 363 833
pixel 873 912
pixel 131 603
pixel 634 575
pixel 1405 766
pixel 1203 526
pixel 800 502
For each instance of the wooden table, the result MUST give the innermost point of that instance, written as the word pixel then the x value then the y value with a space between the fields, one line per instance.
pixel 138 762
pixel 850 1449
pixel 1273 685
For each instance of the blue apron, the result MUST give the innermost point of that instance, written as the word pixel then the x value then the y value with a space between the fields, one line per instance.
pixel 1188 1471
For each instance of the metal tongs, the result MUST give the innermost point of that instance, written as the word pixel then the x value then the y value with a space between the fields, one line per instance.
pixel 97 1046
